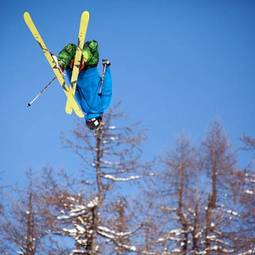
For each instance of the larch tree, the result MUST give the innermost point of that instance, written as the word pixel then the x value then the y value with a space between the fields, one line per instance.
pixel 112 158
pixel 244 234
pixel 24 224
pixel 168 213
pixel 219 162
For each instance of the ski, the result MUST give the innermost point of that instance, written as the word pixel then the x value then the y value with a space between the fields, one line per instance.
pixel 78 55
pixel 59 75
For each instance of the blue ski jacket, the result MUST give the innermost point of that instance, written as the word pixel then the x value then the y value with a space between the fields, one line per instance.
pixel 87 89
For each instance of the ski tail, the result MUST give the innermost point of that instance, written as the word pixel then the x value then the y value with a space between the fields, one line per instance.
pixel 46 52
pixel 78 55
pixel 59 75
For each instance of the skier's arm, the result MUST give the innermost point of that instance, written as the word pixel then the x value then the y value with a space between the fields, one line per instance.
pixel 106 96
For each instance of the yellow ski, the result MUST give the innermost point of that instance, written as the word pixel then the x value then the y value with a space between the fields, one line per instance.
pixel 78 55
pixel 68 91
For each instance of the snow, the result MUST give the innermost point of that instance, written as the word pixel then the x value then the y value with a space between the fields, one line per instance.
pixel 78 252
pixel 190 210
pixel 113 138
pixel 71 198
pixel 70 231
pixel 227 251
pixel 111 235
pixel 129 247
pixel 213 248
pixel 107 162
pixel 198 234
pixel 182 244
pixel 113 178
pixel 93 203
pixel 201 252
pixel 250 192
pixel 233 213
pixel 80 228
pixel 176 250
pixel 249 252
pixel 107 230
pixel 229 211
pixel 107 235
pixel 79 210
pixel 211 237
pixel 171 235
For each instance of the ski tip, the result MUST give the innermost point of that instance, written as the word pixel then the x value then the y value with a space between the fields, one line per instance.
pixel 26 15
pixel 85 14
pixel 28 105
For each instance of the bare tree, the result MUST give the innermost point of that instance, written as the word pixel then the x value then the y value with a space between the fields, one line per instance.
pixel 3 248
pixel 195 201
pixel 219 162
pixel 244 233
pixel 170 213
pixel 199 208
pixel 111 156
pixel 249 142
pixel 24 224
pixel 181 169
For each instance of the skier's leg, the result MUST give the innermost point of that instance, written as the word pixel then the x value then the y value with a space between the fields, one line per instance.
pixel 79 98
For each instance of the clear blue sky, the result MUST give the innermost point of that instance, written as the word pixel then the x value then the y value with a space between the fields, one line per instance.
pixel 176 66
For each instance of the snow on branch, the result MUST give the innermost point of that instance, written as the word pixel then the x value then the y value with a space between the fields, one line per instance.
pixel 250 178
pixel 119 234
pixel 128 247
pixel 119 179
pixel 233 213
pixel 229 211
pixel 218 248
pixel 171 235
pixel 79 210
pixel 114 236
pixel 249 252
pixel 111 235
pixel 249 192
pixel 109 163
pixel 93 203
pixel 76 252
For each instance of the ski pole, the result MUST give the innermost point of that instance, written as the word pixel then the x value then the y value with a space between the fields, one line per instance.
pixel 102 80
pixel 41 92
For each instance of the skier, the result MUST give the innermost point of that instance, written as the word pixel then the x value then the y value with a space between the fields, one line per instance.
pixel 93 92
